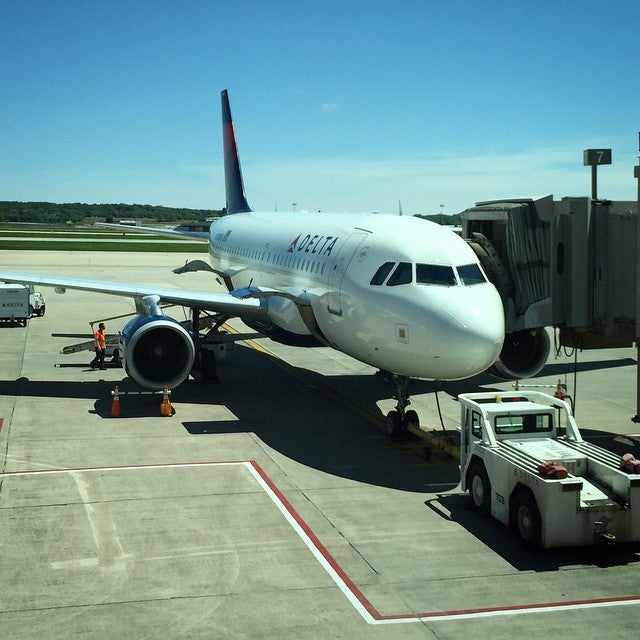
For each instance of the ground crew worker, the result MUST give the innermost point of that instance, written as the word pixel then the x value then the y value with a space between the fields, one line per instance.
pixel 100 346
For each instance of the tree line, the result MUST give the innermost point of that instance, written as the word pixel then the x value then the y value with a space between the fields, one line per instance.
pixel 77 213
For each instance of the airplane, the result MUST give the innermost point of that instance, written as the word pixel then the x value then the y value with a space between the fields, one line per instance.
pixel 402 294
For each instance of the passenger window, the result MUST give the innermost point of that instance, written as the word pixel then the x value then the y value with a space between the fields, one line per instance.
pixel 382 273
pixel 471 274
pixel 442 275
pixel 402 275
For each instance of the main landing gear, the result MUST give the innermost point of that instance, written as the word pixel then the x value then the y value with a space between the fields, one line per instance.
pixel 205 361
pixel 398 420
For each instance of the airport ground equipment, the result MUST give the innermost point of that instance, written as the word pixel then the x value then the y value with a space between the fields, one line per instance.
pixel 14 303
pixel 524 461
pixel 37 304
pixel 20 302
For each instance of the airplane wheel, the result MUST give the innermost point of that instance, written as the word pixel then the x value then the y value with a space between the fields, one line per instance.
pixel 525 519
pixel 393 424
pixel 479 488
pixel 411 417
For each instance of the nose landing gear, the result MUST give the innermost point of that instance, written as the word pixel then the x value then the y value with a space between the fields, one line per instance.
pixel 397 421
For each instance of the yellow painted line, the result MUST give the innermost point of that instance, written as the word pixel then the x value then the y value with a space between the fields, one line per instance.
pixel 437 442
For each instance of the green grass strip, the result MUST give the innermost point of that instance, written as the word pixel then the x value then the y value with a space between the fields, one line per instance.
pixel 52 245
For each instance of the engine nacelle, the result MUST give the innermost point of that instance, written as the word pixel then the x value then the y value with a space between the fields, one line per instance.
pixel 156 350
pixel 523 354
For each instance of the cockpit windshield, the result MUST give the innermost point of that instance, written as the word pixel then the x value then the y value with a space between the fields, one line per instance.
pixel 402 275
pixel 381 274
pixel 471 274
pixel 439 274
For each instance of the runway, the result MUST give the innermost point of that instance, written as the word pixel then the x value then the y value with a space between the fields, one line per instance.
pixel 271 504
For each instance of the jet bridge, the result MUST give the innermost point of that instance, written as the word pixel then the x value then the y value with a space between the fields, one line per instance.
pixel 570 263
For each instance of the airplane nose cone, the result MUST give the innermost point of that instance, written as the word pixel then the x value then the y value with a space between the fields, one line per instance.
pixel 469 333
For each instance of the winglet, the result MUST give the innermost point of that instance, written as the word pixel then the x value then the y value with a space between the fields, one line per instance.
pixel 234 186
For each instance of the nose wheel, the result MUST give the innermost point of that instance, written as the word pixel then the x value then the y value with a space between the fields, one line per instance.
pixel 398 421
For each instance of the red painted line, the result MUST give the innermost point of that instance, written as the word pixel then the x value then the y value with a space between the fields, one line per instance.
pixel 316 542
pixel 523 608
pixel 1 423
pixel 376 616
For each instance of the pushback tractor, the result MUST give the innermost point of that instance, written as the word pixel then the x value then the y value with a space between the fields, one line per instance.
pixel 524 462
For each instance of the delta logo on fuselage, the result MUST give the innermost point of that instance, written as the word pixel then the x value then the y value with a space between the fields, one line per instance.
pixel 321 245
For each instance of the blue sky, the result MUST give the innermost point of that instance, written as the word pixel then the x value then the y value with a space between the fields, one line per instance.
pixel 338 105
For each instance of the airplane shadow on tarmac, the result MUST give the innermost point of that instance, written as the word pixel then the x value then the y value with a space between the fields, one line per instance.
pixel 313 419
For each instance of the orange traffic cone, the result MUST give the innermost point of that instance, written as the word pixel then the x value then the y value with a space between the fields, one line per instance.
pixel 115 404
pixel 165 405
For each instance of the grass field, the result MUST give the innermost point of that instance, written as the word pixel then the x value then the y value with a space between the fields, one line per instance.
pixel 179 246
pixel 63 238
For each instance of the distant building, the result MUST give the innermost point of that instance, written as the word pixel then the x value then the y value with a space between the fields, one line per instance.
pixel 198 225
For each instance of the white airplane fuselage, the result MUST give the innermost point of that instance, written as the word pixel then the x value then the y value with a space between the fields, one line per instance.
pixel 365 290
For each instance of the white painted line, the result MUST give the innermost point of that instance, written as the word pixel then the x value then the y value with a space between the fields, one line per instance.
pixel 348 588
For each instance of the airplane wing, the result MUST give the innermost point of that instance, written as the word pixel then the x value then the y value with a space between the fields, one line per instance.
pixel 233 305
pixel 194 235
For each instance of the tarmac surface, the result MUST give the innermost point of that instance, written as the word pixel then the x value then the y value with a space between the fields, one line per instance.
pixel 271 504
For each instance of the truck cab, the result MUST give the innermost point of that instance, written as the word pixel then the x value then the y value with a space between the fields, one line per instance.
pixel 37 304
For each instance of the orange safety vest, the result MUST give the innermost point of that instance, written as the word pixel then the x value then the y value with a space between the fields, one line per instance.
pixel 101 339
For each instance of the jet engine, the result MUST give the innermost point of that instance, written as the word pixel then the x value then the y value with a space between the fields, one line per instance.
pixel 523 354
pixel 156 350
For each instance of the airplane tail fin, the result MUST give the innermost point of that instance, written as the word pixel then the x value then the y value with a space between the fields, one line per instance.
pixel 234 186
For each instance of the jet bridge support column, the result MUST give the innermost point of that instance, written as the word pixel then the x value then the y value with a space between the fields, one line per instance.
pixel 636 174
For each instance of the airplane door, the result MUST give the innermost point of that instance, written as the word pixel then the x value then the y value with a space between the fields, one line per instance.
pixel 336 274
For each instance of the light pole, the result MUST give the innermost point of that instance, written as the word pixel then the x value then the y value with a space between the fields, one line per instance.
pixel 636 175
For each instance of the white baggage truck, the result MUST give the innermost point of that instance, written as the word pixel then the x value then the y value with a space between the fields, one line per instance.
pixel 524 461
pixel 14 303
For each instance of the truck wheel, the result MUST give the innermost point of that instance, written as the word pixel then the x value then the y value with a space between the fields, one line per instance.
pixel 525 519
pixel 479 488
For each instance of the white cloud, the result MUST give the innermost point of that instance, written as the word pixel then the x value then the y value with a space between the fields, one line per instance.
pixel 330 107
pixel 423 183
